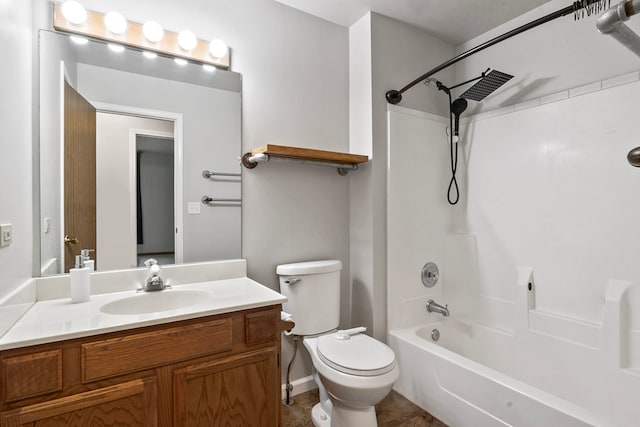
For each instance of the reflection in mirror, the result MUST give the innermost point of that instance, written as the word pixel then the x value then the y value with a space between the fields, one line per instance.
pixel 124 140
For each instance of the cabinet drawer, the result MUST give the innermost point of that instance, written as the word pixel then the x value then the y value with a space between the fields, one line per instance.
pixel 132 404
pixel 106 358
pixel 261 327
pixel 32 374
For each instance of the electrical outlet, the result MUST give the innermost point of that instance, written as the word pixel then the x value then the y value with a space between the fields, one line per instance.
pixel 193 208
pixel 6 234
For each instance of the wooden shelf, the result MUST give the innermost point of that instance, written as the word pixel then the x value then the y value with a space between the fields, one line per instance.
pixel 309 154
pixel 342 161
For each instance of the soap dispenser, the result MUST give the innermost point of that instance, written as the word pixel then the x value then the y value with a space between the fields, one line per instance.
pixel 86 259
pixel 79 281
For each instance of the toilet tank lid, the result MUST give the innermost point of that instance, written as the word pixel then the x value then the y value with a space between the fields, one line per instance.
pixel 310 267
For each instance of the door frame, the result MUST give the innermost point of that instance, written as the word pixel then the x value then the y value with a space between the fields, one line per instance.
pixel 177 119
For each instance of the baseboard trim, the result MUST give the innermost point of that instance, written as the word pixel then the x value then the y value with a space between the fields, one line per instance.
pixel 300 386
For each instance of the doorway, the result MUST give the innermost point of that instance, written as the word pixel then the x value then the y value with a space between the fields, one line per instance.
pixel 155 223
pixel 139 186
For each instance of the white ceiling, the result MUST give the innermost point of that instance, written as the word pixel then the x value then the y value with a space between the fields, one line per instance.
pixel 454 21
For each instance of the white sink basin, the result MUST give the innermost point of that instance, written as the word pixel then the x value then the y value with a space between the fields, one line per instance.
pixel 158 301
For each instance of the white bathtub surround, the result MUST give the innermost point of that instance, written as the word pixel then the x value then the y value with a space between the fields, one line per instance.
pixel 547 198
pixel 558 370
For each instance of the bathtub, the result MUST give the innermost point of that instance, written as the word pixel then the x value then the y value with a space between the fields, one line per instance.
pixel 451 379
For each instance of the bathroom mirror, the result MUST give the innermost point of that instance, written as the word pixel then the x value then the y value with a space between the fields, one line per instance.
pixel 124 140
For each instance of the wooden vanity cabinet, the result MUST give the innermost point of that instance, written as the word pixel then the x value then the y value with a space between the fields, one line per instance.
pixel 215 370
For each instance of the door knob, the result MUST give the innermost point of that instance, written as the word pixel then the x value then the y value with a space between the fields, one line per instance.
pixel 72 240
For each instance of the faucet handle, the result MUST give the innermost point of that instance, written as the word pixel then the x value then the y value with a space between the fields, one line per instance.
pixel 150 262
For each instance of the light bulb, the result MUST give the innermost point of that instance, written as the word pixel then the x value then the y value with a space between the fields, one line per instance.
pixel 79 40
pixel 181 61
pixel 149 55
pixel 74 12
pixel 218 48
pixel 152 31
pixel 115 22
pixel 116 47
pixel 208 68
pixel 187 40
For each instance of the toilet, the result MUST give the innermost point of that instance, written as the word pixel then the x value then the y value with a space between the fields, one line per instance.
pixel 352 370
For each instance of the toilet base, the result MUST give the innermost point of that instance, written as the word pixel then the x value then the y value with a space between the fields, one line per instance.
pixel 342 416
pixel 319 417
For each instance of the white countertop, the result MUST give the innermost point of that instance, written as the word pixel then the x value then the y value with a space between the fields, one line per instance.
pixel 59 319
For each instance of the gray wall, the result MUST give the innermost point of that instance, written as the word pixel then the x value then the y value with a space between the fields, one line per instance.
pixel 16 80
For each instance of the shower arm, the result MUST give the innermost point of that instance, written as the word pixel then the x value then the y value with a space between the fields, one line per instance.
pixel 610 21
pixel 448 90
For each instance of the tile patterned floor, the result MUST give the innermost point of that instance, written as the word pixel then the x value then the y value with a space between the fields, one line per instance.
pixel 393 411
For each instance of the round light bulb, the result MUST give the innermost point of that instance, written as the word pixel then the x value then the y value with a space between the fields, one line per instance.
pixel 218 48
pixel 74 12
pixel 79 40
pixel 208 68
pixel 152 31
pixel 187 40
pixel 116 47
pixel 115 22
pixel 181 61
pixel 149 55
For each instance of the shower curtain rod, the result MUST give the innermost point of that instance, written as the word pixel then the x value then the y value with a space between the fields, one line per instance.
pixel 395 96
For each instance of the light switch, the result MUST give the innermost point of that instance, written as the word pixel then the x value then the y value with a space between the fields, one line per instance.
pixel 6 234
pixel 193 208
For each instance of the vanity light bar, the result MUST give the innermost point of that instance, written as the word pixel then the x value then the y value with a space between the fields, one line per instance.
pixel 95 27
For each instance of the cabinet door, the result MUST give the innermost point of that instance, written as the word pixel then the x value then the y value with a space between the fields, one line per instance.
pixel 241 390
pixel 133 403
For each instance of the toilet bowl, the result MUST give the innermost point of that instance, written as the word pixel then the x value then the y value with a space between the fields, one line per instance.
pixel 353 388
pixel 352 370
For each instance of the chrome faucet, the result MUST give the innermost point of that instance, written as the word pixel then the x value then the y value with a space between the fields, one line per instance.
pixel 153 282
pixel 434 307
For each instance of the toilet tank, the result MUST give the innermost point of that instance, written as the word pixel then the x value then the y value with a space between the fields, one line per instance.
pixel 313 292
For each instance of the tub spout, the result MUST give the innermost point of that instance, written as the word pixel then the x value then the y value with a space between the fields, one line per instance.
pixel 434 307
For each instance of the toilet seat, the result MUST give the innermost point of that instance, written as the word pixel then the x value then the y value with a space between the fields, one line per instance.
pixel 360 355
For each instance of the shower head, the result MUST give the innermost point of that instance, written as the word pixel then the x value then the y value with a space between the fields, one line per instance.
pixel 634 157
pixel 457 107
pixel 487 85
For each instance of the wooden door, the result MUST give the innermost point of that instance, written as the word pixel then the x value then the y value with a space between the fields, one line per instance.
pixel 242 391
pixel 131 404
pixel 79 176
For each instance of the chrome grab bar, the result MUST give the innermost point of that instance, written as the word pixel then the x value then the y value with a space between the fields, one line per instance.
pixel 207 174
pixel 206 200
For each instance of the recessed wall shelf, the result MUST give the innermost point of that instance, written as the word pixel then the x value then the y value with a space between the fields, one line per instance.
pixel 344 162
